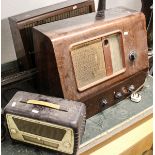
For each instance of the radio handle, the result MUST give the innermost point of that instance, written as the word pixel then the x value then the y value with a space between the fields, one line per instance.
pixel 46 104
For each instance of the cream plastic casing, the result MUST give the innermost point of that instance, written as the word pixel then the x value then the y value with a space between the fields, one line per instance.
pixel 66 145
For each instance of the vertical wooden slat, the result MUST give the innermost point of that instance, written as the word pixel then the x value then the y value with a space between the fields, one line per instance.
pixel 107 56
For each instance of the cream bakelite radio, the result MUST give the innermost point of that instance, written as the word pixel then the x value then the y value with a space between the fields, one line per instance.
pixel 49 122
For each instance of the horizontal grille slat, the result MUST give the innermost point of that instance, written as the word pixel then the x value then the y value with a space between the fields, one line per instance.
pixel 39 129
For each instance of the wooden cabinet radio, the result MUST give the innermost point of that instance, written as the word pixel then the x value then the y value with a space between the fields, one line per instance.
pixel 98 60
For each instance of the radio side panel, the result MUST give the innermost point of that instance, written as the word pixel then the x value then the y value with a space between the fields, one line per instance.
pixel 48 76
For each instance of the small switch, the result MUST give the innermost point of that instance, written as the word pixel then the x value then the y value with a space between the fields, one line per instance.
pixel 125 90
pixel 13 131
pixel 118 95
pixel 67 144
pixel 104 102
pixel 38 138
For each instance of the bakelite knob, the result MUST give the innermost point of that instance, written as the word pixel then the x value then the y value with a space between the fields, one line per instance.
pixel 38 138
pixel 67 144
pixel 13 131
pixel 132 56
pixel 118 95
pixel 104 102
pixel 131 88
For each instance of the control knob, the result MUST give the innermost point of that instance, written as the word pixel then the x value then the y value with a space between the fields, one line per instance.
pixel 118 95
pixel 131 88
pixel 132 56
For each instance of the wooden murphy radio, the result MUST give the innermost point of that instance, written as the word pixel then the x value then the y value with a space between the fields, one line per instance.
pixel 96 59
pixel 21 26
pixel 49 122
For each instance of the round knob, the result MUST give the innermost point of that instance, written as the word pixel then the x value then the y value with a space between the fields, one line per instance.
pixel 132 56
pixel 67 144
pixel 118 95
pixel 104 102
pixel 13 131
pixel 38 138
pixel 125 90
pixel 131 88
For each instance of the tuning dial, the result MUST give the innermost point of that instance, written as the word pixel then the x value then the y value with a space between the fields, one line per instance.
pixel 13 131
pixel 132 56
pixel 104 102
pixel 118 95
pixel 38 138
pixel 131 88
pixel 67 144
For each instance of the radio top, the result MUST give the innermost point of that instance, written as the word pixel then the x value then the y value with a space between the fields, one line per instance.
pixel 23 103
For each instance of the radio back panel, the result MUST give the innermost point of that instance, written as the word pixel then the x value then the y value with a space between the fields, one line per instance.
pixel 58 128
pixel 83 56
pixel 21 26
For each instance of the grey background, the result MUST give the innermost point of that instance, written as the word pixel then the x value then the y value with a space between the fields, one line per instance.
pixel 10 8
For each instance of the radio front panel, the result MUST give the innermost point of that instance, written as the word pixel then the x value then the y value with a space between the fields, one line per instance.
pixel 41 133
pixel 97 60
pixel 96 57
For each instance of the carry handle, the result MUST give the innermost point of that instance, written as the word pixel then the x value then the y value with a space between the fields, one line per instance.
pixel 46 104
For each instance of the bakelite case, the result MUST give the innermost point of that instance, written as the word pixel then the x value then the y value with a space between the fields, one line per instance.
pixel 21 26
pixel 57 129
pixel 98 61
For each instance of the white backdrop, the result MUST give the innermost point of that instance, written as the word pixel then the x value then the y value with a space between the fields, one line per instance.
pixel 13 7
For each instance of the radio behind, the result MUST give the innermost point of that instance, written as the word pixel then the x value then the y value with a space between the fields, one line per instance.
pixel 21 26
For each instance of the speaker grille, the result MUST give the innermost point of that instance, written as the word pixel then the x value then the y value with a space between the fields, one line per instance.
pixel 39 129
pixel 97 60
pixel 88 62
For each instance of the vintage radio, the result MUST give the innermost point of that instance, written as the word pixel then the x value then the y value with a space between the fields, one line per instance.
pixel 21 26
pixel 49 122
pixel 98 60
